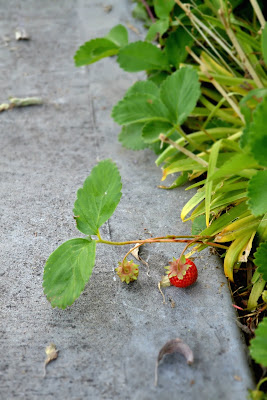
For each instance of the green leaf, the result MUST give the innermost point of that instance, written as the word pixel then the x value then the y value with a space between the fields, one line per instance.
pixel 94 50
pixel 175 46
pixel 211 169
pixel 198 225
pixel 180 93
pixel 139 107
pixel 131 137
pixel 258 345
pixel 98 198
pixel 260 259
pixel 163 8
pixel 247 106
pixel 153 129
pixel 258 133
pixel 146 87
pixel 139 12
pixel 233 253
pixel 257 193
pixel 235 213
pixel 67 271
pixel 118 35
pixel 262 229
pixel 141 56
pixel 256 292
pixel 220 202
pixel 160 26
pixel 264 43
pixel 182 178
pixel 186 164
pixel 237 163
pixel 192 203
pixel 157 77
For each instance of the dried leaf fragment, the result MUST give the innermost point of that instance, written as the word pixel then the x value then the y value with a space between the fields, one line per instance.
pixel 4 106
pixel 20 102
pixel 51 354
pixel 237 378
pixel 174 346
pixel 24 102
pixel 108 8
pixel 135 252
pixel 21 34
pixel 133 28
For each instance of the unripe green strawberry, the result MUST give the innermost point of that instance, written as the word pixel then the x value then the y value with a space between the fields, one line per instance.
pixel 127 271
pixel 181 273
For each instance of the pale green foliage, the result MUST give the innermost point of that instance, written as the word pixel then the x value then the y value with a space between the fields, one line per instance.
pixel 98 198
pixel 258 345
pixel 96 49
pixel 163 8
pixel 159 27
pixel 257 193
pixel 264 43
pixel 141 56
pixel 180 92
pixel 260 259
pixel 67 270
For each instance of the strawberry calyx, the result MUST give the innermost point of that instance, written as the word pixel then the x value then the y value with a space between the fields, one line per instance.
pixel 177 267
pixel 127 271
pixel 180 273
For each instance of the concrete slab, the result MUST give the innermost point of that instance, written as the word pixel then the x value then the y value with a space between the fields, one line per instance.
pixel 109 339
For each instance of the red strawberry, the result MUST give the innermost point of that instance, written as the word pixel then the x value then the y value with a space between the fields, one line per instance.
pixel 181 273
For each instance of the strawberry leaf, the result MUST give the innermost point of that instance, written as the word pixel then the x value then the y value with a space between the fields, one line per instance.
pixel 163 8
pixel 146 87
pixel 264 43
pixel 67 270
pixel 141 56
pixel 98 198
pixel 260 259
pixel 175 46
pixel 180 92
pixel 258 348
pixel 257 135
pixel 247 106
pixel 131 136
pixel 118 35
pixel 160 27
pixel 153 129
pixel 257 193
pixel 139 107
pixel 94 50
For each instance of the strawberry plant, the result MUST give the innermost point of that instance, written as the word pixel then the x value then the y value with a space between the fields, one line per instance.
pixel 202 110
pixel 70 266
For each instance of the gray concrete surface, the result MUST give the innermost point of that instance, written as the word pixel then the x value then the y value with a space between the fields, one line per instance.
pixel 109 339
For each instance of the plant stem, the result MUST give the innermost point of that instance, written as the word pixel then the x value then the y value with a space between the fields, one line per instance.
pixel 188 139
pixel 228 80
pixel 195 20
pixel 261 382
pixel 148 10
pixel 239 49
pixel 165 239
pixel 216 84
pixel 183 150
pixel 258 12
pixel 220 113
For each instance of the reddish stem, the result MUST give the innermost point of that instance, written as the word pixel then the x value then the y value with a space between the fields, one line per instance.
pixel 148 10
